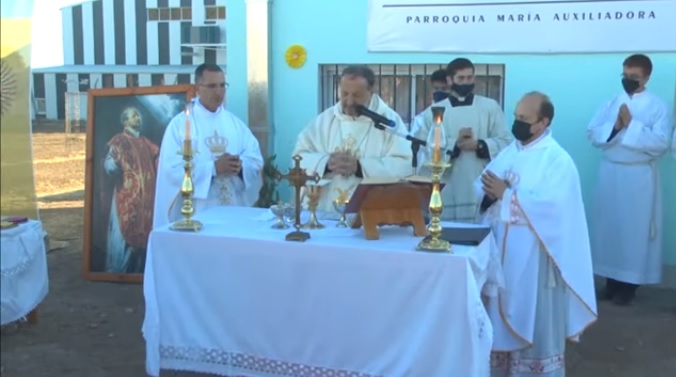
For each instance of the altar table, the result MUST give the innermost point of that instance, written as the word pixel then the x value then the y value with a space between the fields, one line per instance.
pixel 24 282
pixel 237 299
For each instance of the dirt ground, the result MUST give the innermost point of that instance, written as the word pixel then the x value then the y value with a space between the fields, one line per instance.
pixel 88 329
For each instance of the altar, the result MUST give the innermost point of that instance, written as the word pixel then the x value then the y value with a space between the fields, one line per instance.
pixel 237 299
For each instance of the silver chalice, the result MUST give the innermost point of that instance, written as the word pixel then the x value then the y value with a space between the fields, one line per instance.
pixel 279 211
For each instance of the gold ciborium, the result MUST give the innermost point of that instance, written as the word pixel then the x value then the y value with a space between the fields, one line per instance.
pixel 187 210
pixel 437 164
pixel 313 191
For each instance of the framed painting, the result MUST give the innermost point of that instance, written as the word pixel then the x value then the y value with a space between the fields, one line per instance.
pixel 125 127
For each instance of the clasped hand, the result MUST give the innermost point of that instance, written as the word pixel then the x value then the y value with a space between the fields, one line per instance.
pixel 228 164
pixel 493 186
pixel 623 117
pixel 343 163
pixel 466 140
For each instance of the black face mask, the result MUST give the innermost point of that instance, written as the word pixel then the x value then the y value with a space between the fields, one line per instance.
pixel 521 130
pixel 439 95
pixel 463 89
pixel 630 85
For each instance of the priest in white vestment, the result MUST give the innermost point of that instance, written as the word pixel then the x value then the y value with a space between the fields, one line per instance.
pixel 632 130
pixel 227 166
pixel 343 147
pixel 475 130
pixel 531 196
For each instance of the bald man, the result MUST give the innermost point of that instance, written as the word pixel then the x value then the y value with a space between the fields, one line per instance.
pixel 531 197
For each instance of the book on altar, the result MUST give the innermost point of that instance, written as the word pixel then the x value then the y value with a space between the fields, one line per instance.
pixel 467 236
pixel 424 184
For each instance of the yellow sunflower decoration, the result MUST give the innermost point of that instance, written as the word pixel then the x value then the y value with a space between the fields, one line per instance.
pixel 296 56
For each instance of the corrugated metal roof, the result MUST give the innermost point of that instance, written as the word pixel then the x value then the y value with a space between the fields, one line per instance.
pixel 123 69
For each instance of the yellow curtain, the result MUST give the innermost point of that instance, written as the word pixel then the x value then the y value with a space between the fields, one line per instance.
pixel 16 158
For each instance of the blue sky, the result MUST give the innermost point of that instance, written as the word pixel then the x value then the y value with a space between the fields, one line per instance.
pixel 16 8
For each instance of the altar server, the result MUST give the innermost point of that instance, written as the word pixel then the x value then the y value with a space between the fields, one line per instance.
pixel 475 131
pixel 534 204
pixel 344 147
pixel 227 165
pixel 633 131
pixel 439 93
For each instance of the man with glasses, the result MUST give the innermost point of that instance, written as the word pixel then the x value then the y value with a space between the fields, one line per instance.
pixel 475 131
pixel 227 168
pixel 632 130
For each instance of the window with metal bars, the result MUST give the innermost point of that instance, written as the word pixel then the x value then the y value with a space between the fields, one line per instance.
pixel 406 88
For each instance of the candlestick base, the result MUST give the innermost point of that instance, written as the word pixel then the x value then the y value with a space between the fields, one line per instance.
pixel 434 245
pixel 187 225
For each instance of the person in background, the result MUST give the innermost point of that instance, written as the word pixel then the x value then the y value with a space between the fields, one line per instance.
pixel 475 131
pixel 534 205
pixel 439 93
pixel 632 130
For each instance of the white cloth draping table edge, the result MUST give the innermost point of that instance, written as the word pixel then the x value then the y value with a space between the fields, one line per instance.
pixel 23 270
pixel 238 227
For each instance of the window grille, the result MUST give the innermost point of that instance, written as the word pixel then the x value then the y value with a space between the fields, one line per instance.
pixel 406 88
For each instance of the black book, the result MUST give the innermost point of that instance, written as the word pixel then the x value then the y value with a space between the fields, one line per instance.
pixel 465 236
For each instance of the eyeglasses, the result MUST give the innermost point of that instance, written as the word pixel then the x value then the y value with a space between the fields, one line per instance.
pixel 214 86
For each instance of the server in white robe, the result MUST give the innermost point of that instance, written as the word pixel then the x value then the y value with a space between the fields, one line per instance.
pixel 632 130
pixel 475 130
pixel 439 93
pixel 227 165
pixel 532 198
pixel 344 148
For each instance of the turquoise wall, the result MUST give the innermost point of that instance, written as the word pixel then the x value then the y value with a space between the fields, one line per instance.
pixel 335 33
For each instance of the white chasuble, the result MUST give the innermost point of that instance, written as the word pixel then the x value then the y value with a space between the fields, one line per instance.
pixel 212 134
pixel 380 154
pixel 540 215
pixel 486 119
pixel 627 225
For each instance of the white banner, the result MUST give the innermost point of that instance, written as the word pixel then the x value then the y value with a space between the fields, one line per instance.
pixel 503 26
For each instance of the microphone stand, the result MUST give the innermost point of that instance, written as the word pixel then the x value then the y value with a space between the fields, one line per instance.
pixel 415 145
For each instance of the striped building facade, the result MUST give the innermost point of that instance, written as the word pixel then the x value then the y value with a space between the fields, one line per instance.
pixel 126 43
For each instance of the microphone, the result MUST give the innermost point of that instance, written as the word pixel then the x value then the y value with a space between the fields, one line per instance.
pixel 382 123
pixel 379 120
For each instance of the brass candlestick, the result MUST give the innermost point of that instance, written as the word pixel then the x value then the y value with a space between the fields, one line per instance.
pixel 313 191
pixel 437 165
pixel 187 210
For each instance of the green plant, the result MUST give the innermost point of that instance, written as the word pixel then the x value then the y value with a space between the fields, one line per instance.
pixel 269 194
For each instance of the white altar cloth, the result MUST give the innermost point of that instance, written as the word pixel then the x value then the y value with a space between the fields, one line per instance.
pixel 23 270
pixel 236 298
